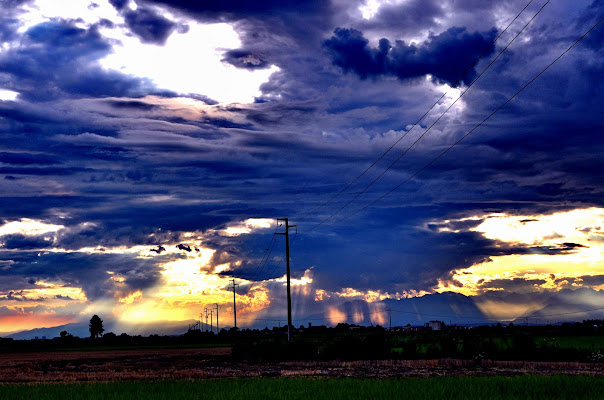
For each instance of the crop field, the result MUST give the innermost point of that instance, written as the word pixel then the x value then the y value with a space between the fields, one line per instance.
pixel 519 387
pixel 215 363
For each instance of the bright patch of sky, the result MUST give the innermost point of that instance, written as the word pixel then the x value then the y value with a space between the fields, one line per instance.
pixel 189 63
pixel 371 7
pixel 28 227
pixel 8 95
pixel 580 231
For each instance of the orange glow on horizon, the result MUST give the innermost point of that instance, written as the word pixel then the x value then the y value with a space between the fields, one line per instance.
pixel 25 321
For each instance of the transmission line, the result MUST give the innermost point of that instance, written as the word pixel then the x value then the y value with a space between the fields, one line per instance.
pixel 421 118
pixel 432 125
pixel 475 127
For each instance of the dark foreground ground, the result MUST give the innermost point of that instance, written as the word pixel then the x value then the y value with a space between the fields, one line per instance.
pixel 529 387
pixel 213 363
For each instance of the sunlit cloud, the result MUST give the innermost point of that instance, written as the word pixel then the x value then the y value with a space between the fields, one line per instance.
pixel 28 227
pixel 572 230
pixel 8 95
pixel 175 67
pixel 248 226
pixel 568 226
pixel 172 66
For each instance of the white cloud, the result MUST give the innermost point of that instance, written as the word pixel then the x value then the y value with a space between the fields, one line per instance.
pixel 28 227
pixel 8 95
pixel 191 63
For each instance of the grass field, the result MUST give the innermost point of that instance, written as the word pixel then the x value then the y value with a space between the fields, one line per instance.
pixel 520 387
pixel 581 343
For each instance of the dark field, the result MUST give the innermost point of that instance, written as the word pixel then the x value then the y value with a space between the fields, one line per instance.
pixel 519 387
pixel 213 363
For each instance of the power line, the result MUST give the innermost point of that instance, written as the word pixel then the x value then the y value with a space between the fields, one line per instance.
pixel 422 117
pixel 432 125
pixel 257 281
pixel 270 276
pixel 475 127
pixel 260 267
pixel 265 257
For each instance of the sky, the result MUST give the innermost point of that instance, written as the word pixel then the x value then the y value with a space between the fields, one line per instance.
pixel 147 148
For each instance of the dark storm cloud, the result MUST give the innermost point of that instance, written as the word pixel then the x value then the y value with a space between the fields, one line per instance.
pixel 149 26
pixel 23 242
pixel 9 21
pixel 144 174
pixel 19 296
pixel 445 56
pixel 8 29
pixel 132 104
pixel 245 59
pixel 42 68
pixel 516 285
pixel 589 280
pixel 40 171
pixel 89 271
pixel 184 247
pixel 406 17
pixel 27 159
pixel 119 4
pixel 238 9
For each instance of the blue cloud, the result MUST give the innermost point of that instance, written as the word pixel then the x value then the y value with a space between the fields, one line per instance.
pixel 149 26
pixel 445 56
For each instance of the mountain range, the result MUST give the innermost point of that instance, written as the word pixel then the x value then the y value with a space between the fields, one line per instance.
pixel 566 305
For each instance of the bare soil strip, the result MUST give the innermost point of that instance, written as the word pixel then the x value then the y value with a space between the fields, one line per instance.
pixel 155 364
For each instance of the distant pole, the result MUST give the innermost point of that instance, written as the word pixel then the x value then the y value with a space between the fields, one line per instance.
pixel 289 295
pixel 206 319
pixel 217 330
pixel 234 302
pixel 211 322
pixel 201 322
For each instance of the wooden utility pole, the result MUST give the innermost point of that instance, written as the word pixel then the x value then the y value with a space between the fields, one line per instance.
pixel 234 302
pixel 217 330
pixel 289 295
pixel 211 320
pixel 206 310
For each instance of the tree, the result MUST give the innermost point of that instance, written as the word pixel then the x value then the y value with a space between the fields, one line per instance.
pixel 96 327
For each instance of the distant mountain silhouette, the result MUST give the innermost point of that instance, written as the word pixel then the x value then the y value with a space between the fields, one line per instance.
pixel 569 305
pixel 81 329
pixel 452 308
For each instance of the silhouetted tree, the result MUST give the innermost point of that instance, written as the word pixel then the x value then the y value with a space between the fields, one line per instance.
pixel 96 327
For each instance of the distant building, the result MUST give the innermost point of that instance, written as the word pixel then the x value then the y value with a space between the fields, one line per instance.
pixel 435 325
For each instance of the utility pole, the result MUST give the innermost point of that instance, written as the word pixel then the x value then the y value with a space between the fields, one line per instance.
pixel 206 310
pixel 390 313
pixel 217 330
pixel 234 302
pixel 211 322
pixel 289 295
pixel 201 322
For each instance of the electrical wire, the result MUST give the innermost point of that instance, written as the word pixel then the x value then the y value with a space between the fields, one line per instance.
pixel 422 117
pixel 432 125
pixel 475 127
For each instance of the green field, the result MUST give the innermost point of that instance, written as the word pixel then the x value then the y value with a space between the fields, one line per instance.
pixel 581 343
pixel 520 387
